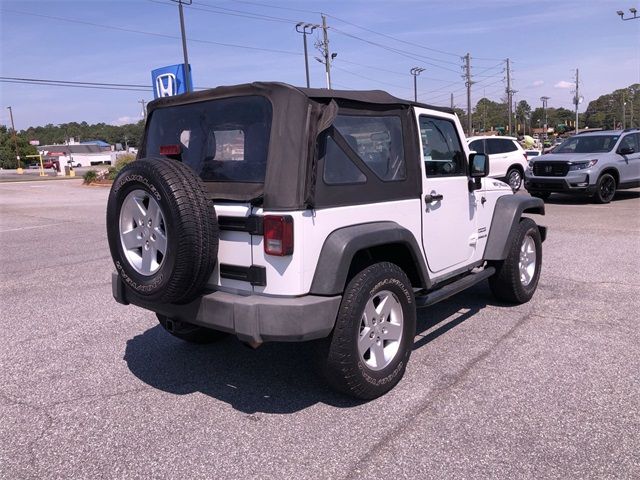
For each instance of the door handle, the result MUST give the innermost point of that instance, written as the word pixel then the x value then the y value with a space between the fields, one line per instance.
pixel 430 198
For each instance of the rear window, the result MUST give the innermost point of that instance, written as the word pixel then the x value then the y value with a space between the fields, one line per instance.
pixel 225 140
pixel 500 145
pixel 588 144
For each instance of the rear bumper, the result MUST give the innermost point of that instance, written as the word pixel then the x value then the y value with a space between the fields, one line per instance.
pixel 253 318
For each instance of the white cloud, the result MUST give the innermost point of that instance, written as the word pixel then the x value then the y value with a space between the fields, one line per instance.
pixel 538 83
pixel 125 120
pixel 564 84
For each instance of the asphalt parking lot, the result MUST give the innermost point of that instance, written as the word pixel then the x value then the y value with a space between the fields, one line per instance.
pixel 92 389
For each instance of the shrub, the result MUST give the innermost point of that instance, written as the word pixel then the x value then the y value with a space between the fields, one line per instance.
pixel 124 160
pixel 90 176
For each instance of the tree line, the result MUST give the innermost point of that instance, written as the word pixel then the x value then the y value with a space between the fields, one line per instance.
pixel 613 110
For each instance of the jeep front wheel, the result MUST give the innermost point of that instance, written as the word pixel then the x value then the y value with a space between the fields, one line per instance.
pixel 516 277
pixel 368 351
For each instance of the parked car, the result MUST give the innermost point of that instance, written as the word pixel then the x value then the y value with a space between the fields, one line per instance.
pixel 532 153
pixel 507 158
pixel 595 164
pixel 278 213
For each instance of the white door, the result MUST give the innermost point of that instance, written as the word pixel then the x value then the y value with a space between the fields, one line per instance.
pixel 449 230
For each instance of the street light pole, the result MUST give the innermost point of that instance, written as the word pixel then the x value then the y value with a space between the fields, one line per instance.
pixel 187 73
pixel 632 10
pixel 415 71
pixel 15 140
pixel 302 28
pixel 544 112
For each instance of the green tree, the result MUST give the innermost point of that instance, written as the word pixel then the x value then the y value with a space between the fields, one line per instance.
pixel 8 150
pixel 523 113
pixel 607 110
pixel 489 115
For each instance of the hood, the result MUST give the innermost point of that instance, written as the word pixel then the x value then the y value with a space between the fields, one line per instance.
pixel 566 157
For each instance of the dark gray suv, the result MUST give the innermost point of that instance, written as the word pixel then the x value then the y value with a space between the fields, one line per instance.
pixel 595 164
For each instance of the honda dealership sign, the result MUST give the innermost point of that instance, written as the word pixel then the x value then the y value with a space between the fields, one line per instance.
pixel 170 81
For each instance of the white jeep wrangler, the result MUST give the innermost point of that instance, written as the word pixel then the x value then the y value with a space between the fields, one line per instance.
pixel 278 213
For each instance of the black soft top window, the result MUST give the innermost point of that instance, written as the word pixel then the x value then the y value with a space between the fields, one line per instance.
pixel 224 140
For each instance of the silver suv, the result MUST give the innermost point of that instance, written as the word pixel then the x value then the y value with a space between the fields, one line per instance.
pixel 595 164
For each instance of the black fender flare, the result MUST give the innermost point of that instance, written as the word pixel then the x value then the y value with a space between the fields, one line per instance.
pixel 343 244
pixel 506 216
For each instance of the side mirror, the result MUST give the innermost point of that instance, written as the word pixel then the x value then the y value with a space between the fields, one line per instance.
pixel 626 150
pixel 478 165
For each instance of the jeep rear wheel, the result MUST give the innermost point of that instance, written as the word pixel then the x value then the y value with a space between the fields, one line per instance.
pixel 162 230
pixel 368 351
pixel 606 188
pixel 516 277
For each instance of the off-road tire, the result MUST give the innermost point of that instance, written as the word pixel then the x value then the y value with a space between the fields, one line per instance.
pixel 605 189
pixel 514 179
pixel 191 333
pixel 341 362
pixel 507 283
pixel 189 220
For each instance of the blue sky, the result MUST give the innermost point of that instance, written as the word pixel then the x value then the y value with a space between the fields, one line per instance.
pixel 99 41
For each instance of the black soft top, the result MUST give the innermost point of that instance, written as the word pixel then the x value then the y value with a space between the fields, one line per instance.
pixel 299 115
pixel 322 95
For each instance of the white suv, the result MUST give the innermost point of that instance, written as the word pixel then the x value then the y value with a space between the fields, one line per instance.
pixel 278 213
pixel 507 159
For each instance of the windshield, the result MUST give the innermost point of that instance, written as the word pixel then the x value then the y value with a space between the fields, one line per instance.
pixel 588 144
pixel 223 140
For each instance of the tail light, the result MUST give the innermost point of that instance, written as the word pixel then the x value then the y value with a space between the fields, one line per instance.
pixel 278 235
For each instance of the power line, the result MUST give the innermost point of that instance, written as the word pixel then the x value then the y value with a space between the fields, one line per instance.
pixel 74 86
pixel 154 34
pixel 412 56
pixel 396 39
pixel 75 82
pixel 404 87
pixel 401 74
pixel 277 7
pixel 229 11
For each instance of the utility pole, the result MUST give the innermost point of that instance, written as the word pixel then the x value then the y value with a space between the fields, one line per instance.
pixel 451 101
pixel 415 71
pixel 509 93
pixel 468 83
pixel 306 29
pixel 144 110
pixel 187 73
pixel 514 111
pixel 624 112
pixel 327 56
pixel 576 99
pixel 15 140
pixel 544 112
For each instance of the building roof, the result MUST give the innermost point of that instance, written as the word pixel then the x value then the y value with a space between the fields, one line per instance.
pixel 66 149
pixel 100 143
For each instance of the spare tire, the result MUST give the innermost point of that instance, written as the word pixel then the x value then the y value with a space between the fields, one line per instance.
pixel 162 230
